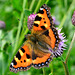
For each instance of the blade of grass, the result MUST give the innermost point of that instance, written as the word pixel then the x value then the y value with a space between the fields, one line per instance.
pixel 46 1
pixel 37 6
pixel 65 16
pixel 31 6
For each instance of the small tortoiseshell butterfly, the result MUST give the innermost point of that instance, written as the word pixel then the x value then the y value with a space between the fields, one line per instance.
pixel 37 50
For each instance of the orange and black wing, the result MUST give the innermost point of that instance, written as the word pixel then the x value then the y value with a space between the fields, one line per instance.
pixel 43 25
pixel 43 19
pixel 22 60
pixel 52 37
pixel 41 59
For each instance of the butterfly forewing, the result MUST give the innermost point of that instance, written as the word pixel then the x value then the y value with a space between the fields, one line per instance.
pixel 43 19
pixel 43 25
pixel 23 59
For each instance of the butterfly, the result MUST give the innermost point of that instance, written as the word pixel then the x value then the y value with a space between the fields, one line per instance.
pixel 37 51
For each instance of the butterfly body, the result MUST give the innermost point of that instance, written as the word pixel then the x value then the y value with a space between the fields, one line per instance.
pixel 37 51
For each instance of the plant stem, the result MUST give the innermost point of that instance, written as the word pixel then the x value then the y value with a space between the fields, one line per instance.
pixel 37 6
pixel 66 68
pixel 65 62
pixel 31 6
pixel 52 67
pixel 43 71
pixel 73 40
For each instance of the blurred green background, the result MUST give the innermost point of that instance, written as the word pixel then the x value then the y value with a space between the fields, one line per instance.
pixel 15 13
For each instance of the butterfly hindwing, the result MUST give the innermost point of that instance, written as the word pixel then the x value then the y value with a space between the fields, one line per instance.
pixel 42 59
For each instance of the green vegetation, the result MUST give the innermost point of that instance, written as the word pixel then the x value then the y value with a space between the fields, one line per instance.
pixel 15 13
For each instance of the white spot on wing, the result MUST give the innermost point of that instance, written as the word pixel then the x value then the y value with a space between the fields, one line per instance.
pixel 42 63
pixel 12 64
pixel 41 8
